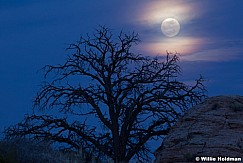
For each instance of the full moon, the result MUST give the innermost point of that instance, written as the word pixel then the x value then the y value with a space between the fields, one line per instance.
pixel 170 27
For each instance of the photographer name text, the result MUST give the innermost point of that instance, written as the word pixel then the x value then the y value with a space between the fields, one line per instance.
pixel 221 159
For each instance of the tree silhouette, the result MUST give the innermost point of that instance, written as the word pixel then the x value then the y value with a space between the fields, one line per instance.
pixel 110 101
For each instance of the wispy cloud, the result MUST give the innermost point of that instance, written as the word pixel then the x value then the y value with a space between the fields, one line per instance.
pixel 218 50
pixel 210 30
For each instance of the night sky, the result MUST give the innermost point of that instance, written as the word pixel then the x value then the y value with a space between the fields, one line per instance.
pixel 33 34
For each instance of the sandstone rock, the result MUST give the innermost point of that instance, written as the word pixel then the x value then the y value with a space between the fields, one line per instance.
pixel 213 128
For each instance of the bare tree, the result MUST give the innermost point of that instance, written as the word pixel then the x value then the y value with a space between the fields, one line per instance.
pixel 112 101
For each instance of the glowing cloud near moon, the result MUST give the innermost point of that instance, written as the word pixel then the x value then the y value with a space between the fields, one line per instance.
pixel 167 18
pixel 170 27
pixel 174 20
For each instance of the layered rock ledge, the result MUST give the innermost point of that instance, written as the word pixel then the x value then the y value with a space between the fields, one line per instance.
pixel 213 129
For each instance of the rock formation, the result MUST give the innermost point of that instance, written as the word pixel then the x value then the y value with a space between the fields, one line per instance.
pixel 213 129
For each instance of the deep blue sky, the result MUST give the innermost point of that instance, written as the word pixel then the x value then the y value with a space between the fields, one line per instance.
pixel 36 33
